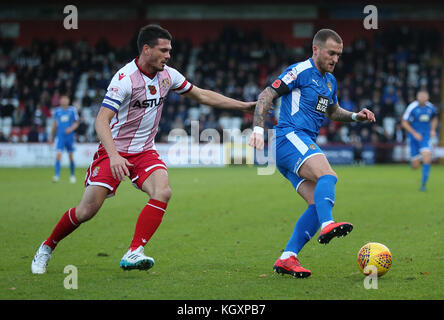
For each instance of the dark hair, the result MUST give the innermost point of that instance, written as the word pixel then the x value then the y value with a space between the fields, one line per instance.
pixel 323 35
pixel 149 35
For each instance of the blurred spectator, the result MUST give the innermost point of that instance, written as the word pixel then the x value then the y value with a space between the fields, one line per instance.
pixel 33 134
pixel 346 102
pixel 2 137
pixel 82 129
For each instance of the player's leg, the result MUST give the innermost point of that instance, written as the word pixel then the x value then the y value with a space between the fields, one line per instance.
pixel 287 155
pixel 158 188
pixel 99 184
pixel 306 226
pixel 415 154
pixel 151 176
pixel 416 162
pixel 90 203
pixel 70 148
pixel 59 146
pixel 426 165
pixel 318 169
pixel 57 166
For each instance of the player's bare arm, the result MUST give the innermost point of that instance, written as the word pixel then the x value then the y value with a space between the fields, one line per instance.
pixel 119 165
pixel 433 126
pixel 72 128
pixel 406 125
pixel 337 113
pixel 264 104
pixel 216 100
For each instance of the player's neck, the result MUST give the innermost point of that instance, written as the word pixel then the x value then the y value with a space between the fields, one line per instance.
pixel 145 67
pixel 317 67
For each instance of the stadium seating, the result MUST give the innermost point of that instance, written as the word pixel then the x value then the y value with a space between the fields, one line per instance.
pixel 382 75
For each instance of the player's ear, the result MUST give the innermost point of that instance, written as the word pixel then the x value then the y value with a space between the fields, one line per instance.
pixel 145 49
pixel 315 49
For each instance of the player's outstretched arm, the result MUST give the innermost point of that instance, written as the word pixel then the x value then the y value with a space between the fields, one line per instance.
pixel 118 164
pixel 336 113
pixel 263 105
pixel 216 100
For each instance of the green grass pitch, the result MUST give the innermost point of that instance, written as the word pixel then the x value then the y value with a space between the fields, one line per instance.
pixel 223 230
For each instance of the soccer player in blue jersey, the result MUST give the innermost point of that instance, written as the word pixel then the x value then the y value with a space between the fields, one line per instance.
pixel 308 91
pixel 65 122
pixel 420 121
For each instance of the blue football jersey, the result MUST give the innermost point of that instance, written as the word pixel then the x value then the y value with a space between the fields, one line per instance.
pixel 64 119
pixel 311 94
pixel 420 117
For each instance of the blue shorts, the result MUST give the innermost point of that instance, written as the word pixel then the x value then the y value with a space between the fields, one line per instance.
pixel 62 144
pixel 416 147
pixel 292 150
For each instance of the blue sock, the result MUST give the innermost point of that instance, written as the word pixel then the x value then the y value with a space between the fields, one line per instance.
pixel 305 228
pixel 57 168
pixel 324 197
pixel 425 174
pixel 72 167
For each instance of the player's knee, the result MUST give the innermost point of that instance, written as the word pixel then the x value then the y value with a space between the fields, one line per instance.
pixel 329 172
pixel 332 173
pixel 162 194
pixel 427 158
pixel 85 212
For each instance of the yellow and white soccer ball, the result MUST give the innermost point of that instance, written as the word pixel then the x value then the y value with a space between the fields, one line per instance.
pixel 377 255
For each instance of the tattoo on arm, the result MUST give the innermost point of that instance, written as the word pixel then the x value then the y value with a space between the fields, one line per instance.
pixel 336 113
pixel 263 105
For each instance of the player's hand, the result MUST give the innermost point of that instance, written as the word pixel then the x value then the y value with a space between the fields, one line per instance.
pixel 366 115
pixel 432 133
pixel 417 136
pixel 249 107
pixel 256 140
pixel 119 167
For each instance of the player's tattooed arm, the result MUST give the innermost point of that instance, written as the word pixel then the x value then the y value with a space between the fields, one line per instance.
pixel 336 113
pixel 263 105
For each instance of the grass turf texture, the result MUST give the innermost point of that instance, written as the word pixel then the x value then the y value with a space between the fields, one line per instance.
pixel 223 230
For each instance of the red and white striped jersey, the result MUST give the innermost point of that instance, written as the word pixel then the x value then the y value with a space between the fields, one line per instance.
pixel 137 99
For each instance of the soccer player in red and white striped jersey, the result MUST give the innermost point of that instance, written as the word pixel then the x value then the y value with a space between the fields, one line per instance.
pixel 126 124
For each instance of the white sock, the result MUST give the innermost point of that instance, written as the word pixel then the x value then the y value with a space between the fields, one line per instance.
pixel 287 254
pixel 326 223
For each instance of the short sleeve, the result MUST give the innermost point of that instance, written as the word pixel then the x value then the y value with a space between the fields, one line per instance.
pixel 118 90
pixel 408 112
pixel 434 112
pixel 179 83
pixel 75 114
pixel 290 78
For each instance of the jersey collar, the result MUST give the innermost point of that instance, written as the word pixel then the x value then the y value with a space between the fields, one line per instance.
pixel 149 75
